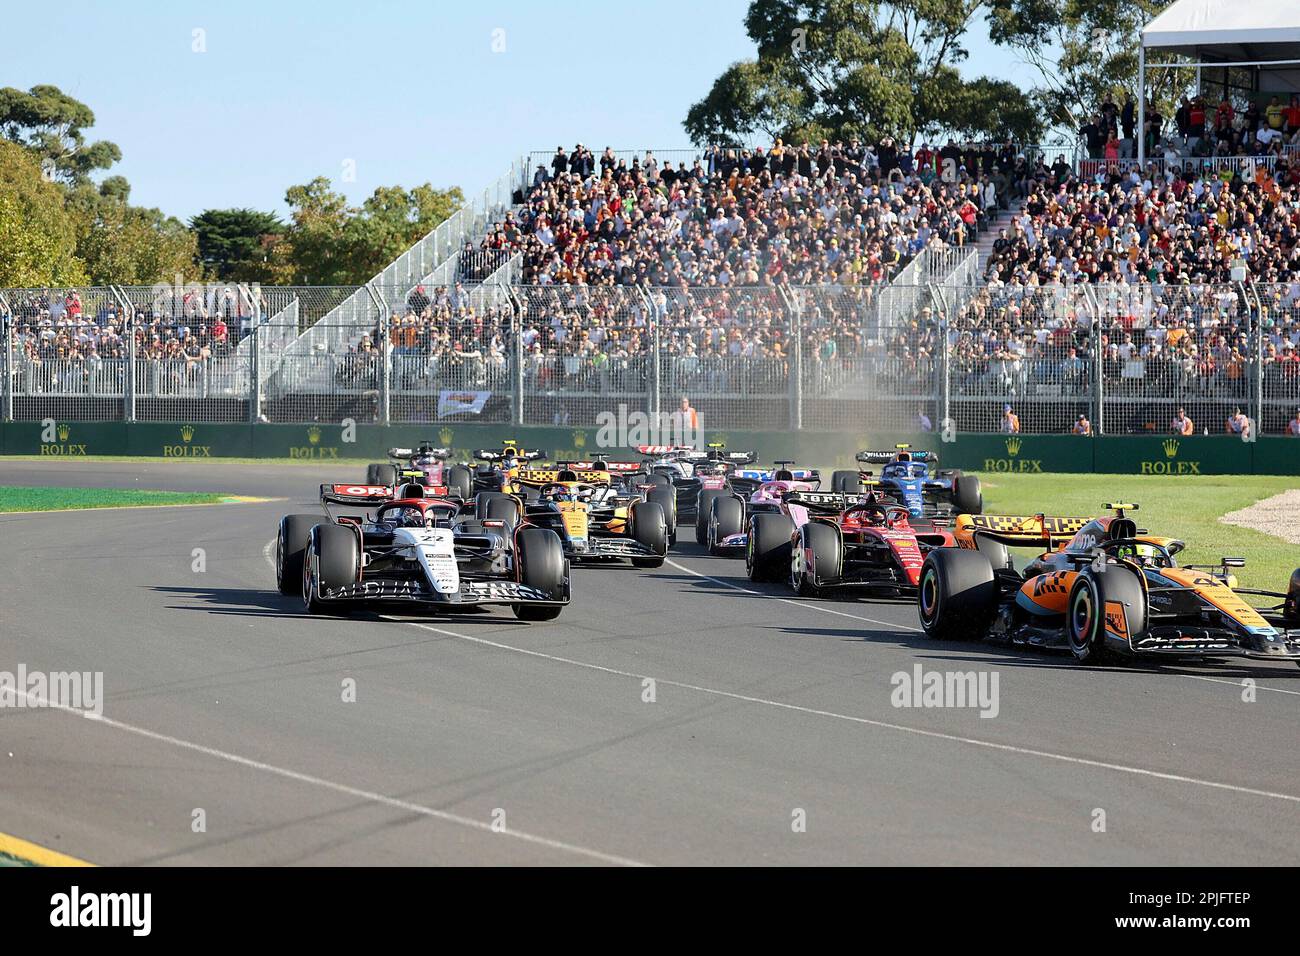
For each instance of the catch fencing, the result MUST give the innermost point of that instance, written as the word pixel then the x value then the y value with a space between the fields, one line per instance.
pixel 934 349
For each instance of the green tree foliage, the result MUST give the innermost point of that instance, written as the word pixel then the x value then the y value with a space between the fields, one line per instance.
pixel 131 245
pixel 38 239
pixel 235 244
pixel 52 125
pixel 1084 51
pixel 329 242
pixel 858 68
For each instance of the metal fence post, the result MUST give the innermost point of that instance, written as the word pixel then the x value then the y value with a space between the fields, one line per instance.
pixel 1257 383
pixel 255 365
pixel 1099 403
pixel 517 357
pixel 652 399
pixel 385 356
pixel 6 318
pixel 128 383
pixel 942 397
pixel 794 308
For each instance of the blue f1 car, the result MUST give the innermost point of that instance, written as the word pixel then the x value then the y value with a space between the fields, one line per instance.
pixel 914 480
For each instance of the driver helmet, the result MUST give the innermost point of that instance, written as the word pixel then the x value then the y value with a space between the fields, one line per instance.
pixel 1144 555
pixel 410 517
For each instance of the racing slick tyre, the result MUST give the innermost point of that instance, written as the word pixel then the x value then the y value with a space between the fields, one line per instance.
pixel 958 596
pixel 460 482
pixel 655 478
pixel 846 482
pixel 495 506
pixel 823 544
pixel 702 511
pixel 967 496
pixel 1085 619
pixel 371 478
pixel 333 560
pixel 647 525
pixel 726 517
pixel 290 550
pixel 541 566
pixel 667 499
pixel 386 475
pixel 767 548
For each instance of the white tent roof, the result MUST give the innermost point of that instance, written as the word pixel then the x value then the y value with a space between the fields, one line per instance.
pixel 1237 29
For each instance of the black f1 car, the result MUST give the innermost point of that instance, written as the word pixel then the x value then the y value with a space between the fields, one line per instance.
pixel 424 465
pixel 442 554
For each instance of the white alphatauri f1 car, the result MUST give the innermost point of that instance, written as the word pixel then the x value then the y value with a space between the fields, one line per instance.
pixel 415 550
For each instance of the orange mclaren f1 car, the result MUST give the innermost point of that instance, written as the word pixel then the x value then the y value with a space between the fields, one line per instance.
pixel 1100 587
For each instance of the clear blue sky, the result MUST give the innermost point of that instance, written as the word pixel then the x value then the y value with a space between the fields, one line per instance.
pixel 412 91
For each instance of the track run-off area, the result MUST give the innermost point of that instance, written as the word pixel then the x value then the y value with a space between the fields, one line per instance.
pixel 672 716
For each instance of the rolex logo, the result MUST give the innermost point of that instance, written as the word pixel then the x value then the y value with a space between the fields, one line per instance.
pixel 64 432
pixel 313 435
pixel 187 432
pixel 1171 447
pixel 1013 447
pixel 579 439
pixel 444 436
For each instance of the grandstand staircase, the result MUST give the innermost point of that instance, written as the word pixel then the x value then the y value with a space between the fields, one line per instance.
pixel 434 260
pixel 1004 220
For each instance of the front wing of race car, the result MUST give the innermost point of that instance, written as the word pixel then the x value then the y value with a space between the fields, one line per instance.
pixel 598 547
pixel 471 592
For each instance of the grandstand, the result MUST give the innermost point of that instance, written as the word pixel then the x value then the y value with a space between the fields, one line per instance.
pixel 777 286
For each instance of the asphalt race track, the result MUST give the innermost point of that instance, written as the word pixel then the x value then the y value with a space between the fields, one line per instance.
pixel 223 696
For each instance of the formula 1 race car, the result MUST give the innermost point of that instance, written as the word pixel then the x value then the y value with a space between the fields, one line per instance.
pixel 1101 587
pixel 693 475
pixel 416 549
pixel 915 481
pixel 595 518
pixel 498 466
pixel 752 493
pixel 426 466
pixel 833 541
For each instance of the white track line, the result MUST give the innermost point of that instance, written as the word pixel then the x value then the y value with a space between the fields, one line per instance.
pixel 866 721
pixel 343 788
pixel 773 597
pixel 908 627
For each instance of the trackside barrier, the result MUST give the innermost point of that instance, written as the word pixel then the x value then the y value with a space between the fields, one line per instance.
pixel 987 454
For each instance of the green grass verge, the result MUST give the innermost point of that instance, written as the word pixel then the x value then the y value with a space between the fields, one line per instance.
pixel 1186 507
pixel 64 499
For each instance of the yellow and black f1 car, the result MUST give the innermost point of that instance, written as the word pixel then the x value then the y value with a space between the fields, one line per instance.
pixel 596 517
pixel 1100 587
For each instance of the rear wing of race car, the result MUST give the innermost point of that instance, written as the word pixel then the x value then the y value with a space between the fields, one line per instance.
pixel 496 454
pixel 609 466
pixel 440 453
pixel 1023 530
pixel 762 475
pixel 546 476
pixel 877 457
pixel 357 495
pixel 822 501
pixel 660 451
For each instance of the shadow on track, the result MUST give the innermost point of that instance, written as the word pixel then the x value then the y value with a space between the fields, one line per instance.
pixel 266 602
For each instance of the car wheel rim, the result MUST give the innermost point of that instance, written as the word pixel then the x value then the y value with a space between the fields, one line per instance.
pixel 1081 616
pixel 796 566
pixel 929 595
